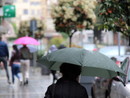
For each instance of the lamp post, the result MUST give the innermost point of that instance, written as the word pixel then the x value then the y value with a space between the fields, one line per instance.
pixel 33 28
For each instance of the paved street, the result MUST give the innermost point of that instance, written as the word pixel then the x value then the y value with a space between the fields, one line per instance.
pixel 36 88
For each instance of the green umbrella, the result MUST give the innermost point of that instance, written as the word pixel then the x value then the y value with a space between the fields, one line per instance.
pixel 93 63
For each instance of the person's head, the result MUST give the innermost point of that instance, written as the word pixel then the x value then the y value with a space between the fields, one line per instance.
pixel 70 71
pixel 24 45
pixel 15 47
pixel 61 46
pixel 53 48
pixel 114 59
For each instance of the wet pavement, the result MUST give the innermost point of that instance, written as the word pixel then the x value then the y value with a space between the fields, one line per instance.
pixel 35 89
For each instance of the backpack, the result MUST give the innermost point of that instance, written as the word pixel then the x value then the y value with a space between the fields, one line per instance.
pixel 25 53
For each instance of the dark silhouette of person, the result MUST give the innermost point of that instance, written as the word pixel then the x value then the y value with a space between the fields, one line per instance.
pixel 61 46
pixel 51 49
pixel 68 85
pixel 4 56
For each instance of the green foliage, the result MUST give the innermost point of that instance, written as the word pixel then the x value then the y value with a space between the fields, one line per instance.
pixel 40 54
pixel 74 15
pixel 15 28
pixel 65 36
pixel 115 15
pixel 56 41
pixel 24 29
pixel 12 38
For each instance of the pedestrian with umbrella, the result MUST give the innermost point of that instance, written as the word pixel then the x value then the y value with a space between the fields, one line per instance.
pixel 25 62
pixel 68 85
pixel 51 49
pixel 92 63
pixel 25 55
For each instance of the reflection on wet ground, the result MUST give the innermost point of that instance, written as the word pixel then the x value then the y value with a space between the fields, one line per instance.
pixel 35 89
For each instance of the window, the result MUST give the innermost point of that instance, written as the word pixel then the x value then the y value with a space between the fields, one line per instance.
pixel 35 3
pixel 39 12
pixel 14 1
pixel 25 11
pixel 90 39
pixel 32 12
pixel 25 0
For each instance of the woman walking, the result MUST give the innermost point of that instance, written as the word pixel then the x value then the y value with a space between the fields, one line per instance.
pixel 15 63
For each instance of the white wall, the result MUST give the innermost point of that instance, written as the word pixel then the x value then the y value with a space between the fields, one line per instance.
pixel 107 37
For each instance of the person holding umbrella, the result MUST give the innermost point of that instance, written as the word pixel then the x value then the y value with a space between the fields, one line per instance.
pixel 93 64
pixel 51 49
pixel 25 57
pixel 68 85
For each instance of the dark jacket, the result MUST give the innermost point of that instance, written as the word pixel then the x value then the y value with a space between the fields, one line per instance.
pixel 3 49
pixel 15 57
pixel 25 53
pixel 66 89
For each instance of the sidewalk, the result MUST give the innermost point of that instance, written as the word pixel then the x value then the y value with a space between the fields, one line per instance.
pixel 35 89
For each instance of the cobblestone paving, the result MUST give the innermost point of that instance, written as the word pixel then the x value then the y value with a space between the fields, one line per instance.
pixel 35 89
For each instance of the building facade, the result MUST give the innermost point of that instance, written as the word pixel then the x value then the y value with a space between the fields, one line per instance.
pixel 28 9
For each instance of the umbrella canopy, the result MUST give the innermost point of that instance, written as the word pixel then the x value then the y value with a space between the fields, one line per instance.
pixel 31 48
pixel 26 41
pixel 93 63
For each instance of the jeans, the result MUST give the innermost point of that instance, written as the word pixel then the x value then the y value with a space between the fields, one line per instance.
pixel 15 71
pixel 4 60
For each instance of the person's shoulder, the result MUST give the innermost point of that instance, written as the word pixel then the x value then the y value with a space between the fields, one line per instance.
pixel 3 43
pixel 78 85
pixel 23 48
pixel 13 51
pixel 82 90
pixel 82 87
pixel 51 87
